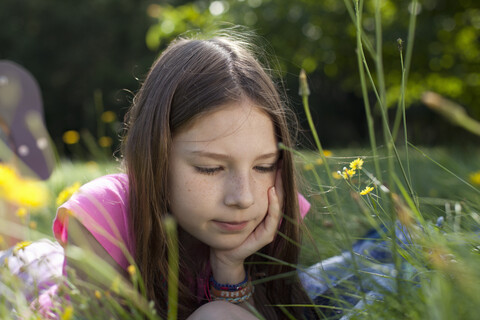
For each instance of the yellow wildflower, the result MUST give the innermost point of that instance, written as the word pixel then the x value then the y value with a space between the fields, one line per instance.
pixel 131 270
pixel 356 164
pixel 347 173
pixel 108 116
pixel 98 294
pixel 66 193
pixel 475 178
pixel 1 240
pixel 20 191
pixel 71 137
pixel 8 176
pixel 327 153
pixel 67 313
pixel 31 193
pixel 319 161
pixel 367 190
pixel 32 225
pixel 91 166
pixel 21 245
pixel 308 166
pixel 336 175
pixel 105 141
pixel 115 287
pixel 21 212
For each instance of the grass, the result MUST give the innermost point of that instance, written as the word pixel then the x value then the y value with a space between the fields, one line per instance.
pixel 436 189
pixel 436 280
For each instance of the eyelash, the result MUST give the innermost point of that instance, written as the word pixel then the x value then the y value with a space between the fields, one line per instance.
pixel 212 171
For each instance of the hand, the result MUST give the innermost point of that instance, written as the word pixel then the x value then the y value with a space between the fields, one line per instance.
pixel 227 265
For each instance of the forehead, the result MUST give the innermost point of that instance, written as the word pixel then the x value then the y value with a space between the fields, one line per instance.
pixel 233 125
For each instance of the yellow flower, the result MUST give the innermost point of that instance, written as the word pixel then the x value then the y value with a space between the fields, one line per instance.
pixel 327 153
pixel 66 193
pixel 475 178
pixel 347 173
pixel 8 176
pixel 336 175
pixel 21 245
pixel 367 190
pixel 108 116
pixel 115 287
pixel 32 225
pixel 98 294
pixel 308 166
pixel 319 161
pixel 91 166
pixel 131 270
pixel 32 193
pixel 20 191
pixel 21 212
pixel 105 141
pixel 71 137
pixel 67 313
pixel 1 240
pixel 356 164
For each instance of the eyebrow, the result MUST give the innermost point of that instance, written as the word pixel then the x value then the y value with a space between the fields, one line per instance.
pixel 221 156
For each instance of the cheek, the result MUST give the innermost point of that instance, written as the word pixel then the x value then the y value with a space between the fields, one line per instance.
pixel 189 192
pixel 261 189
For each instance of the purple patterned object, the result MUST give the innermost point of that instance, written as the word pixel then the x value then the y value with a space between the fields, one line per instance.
pixel 22 127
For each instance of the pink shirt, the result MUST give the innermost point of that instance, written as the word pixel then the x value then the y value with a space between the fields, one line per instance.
pixel 102 207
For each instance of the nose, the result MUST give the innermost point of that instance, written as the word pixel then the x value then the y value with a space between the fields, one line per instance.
pixel 239 191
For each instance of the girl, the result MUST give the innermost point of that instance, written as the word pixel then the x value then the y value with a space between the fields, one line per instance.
pixel 202 145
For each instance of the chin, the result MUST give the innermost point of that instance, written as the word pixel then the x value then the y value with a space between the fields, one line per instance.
pixel 226 244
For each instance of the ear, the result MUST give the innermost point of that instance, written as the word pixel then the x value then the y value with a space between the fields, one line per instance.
pixel 26 142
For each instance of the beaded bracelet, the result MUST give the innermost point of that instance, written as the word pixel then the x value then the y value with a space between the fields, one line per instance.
pixel 235 300
pixel 236 293
pixel 229 287
pixel 233 296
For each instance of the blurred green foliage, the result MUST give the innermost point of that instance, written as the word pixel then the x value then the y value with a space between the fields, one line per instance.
pixel 319 36
pixel 74 48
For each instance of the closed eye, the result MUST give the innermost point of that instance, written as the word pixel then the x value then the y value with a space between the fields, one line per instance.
pixel 208 170
pixel 266 169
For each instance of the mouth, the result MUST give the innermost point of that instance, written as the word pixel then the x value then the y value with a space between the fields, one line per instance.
pixel 231 225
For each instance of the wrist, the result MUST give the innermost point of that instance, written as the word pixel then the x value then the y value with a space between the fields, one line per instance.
pixel 227 273
pixel 237 293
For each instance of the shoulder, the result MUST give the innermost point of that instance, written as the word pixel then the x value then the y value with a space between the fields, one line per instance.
pixel 99 197
pixel 112 185
pixel 101 206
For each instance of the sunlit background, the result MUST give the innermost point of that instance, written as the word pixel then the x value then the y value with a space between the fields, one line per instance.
pixel 89 57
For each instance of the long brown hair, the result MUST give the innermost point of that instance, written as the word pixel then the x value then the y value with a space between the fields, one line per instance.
pixel 189 79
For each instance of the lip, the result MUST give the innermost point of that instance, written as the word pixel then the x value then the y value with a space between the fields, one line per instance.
pixel 231 226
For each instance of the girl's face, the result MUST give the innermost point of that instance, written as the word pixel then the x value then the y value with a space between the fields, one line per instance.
pixel 221 167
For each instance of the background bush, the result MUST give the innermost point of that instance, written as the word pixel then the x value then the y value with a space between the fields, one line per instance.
pixel 76 47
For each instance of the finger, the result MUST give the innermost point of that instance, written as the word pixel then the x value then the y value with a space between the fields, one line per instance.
pixel 274 214
pixel 279 186
pixel 266 230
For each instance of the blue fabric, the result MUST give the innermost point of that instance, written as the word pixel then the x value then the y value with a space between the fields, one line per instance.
pixel 343 289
